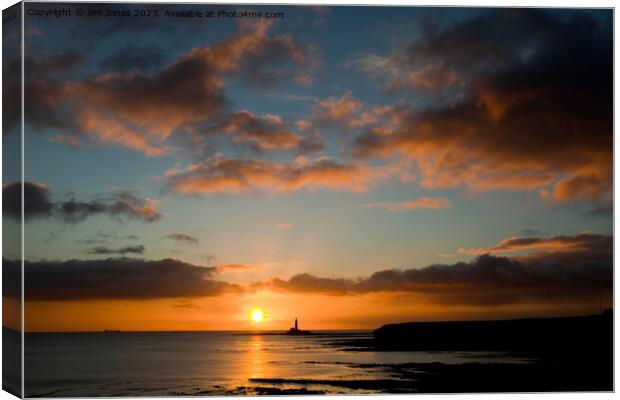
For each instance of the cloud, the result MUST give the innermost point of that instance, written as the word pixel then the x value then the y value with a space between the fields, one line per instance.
pixel 36 200
pixel 532 110
pixel 208 259
pixel 101 250
pixel 284 226
pixel 141 109
pixel 41 88
pixel 132 58
pixel 577 272
pixel 119 204
pixel 583 241
pixel 602 210
pixel 221 175
pixel 101 237
pixel 183 238
pixel 37 204
pixel 552 273
pixel 245 130
pixel 265 60
pixel 419 203
pixel 303 125
pixel 376 65
pixel 348 113
pixel 266 132
pixel 237 267
pixel 310 144
pixel 116 279
pixel 336 110
pixel 426 76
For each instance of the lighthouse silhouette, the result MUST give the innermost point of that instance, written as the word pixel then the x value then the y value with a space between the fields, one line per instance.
pixel 295 331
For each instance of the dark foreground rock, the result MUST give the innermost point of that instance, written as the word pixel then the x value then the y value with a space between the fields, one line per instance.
pixel 466 378
pixel 593 333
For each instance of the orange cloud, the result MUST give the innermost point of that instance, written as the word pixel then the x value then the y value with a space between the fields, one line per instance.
pixel 335 109
pixel 284 226
pixel 348 112
pixel 581 242
pixel 220 175
pixel 240 267
pixel 419 203
pixel 515 120
pixel 266 132
pixel 223 267
pixel 141 110
pixel 303 125
pixel 429 77
pixel 596 185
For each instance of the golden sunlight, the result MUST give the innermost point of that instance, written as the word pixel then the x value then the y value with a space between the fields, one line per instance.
pixel 257 315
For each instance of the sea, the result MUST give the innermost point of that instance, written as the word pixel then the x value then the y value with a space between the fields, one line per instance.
pixel 216 363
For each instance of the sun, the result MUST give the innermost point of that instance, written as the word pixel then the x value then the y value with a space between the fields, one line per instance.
pixel 257 315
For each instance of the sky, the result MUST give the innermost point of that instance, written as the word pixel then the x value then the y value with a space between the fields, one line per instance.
pixel 349 166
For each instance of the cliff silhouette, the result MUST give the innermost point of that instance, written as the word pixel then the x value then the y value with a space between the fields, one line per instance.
pixel 586 333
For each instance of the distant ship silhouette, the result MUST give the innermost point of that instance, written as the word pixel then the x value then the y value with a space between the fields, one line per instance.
pixel 295 331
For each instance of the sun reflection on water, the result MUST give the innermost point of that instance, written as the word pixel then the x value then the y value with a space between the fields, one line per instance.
pixel 256 361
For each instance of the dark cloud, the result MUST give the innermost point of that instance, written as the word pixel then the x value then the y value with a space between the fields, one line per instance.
pixel 579 273
pixel 37 204
pixel 311 144
pixel 43 89
pixel 268 132
pixel 602 210
pixel 532 108
pixel 576 243
pixel 102 250
pixel 183 238
pixel 101 237
pixel 115 279
pixel 36 200
pixel 133 58
pixel 11 71
pixel 119 204
pixel 208 259
pixel 278 58
pixel 244 130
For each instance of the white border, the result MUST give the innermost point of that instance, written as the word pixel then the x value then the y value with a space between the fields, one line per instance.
pixel 459 3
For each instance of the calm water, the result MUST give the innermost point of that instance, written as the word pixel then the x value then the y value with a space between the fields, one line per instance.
pixel 187 363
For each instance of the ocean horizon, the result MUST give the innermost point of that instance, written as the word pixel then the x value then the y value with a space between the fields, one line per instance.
pixel 219 363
